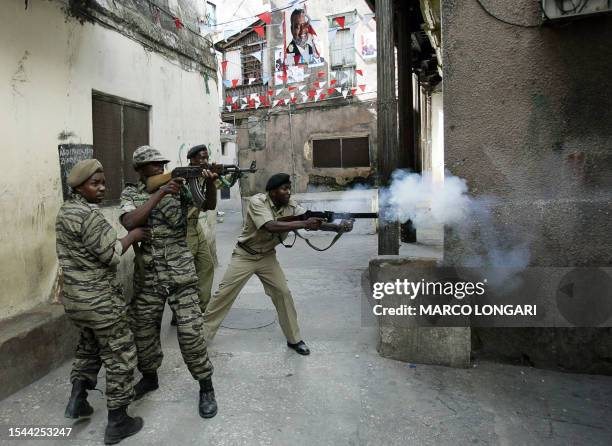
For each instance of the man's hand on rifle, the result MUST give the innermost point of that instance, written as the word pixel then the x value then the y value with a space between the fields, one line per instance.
pixel 209 175
pixel 313 223
pixel 345 226
pixel 172 187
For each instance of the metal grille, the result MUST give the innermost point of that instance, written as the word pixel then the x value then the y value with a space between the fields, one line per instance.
pixel 251 67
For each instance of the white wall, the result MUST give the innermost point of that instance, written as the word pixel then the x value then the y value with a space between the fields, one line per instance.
pixel 49 66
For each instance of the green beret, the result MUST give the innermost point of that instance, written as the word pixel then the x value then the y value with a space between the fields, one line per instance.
pixel 277 180
pixel 82 171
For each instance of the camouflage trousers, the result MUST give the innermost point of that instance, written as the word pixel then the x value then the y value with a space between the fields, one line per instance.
pixel 146 311
pixel 114 347
pixel 204 263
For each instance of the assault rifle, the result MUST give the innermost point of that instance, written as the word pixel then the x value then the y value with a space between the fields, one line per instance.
pixel 192 173
pixel 330 216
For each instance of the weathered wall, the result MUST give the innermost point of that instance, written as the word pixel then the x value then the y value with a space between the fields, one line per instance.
pixel 527 119
pixel 284 144
pixel 49 65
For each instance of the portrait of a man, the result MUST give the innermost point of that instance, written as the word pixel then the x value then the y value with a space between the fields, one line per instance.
pixel 302 43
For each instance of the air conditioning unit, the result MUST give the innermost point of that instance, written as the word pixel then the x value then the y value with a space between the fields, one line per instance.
pixel 572 9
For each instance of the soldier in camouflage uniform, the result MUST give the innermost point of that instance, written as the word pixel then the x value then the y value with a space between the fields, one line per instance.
pixel 165 270
pixel 88 252
pixel 196 238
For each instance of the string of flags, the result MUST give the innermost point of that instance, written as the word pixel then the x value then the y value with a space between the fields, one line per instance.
pixel 271 97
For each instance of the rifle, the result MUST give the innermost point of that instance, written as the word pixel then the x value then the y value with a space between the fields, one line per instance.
pixel 330 216
pixel 192 173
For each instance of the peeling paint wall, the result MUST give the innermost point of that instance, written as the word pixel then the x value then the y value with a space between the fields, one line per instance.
pixel 49 65
pixel 288 147
pixel 528 115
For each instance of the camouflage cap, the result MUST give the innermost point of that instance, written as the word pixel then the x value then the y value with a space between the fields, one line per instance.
pixel 147 154
pixel 82 171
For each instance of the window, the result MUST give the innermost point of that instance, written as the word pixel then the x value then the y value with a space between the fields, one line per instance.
pixel 225 193
pixel 342 49
pixel 211 14
pixel 342 45
pixel 251 65
pixel 223 146
pixel 119 127
pixel 341 152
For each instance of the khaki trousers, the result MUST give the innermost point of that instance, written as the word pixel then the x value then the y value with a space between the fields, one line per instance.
pixel 204 264
pixel 240 270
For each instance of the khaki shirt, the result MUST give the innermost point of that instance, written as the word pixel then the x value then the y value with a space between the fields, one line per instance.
pixel 262 210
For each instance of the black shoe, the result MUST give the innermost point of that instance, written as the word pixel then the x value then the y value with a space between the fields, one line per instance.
pixel 208 405
pixel 121 425
pixel 173 320
pixel 147 384
pixel 77 404
pixel 300 347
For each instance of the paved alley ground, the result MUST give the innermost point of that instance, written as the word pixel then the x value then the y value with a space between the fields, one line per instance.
pixel 343 393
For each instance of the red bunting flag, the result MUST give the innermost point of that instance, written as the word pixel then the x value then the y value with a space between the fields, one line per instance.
pixel 311 30
pixel 251 103
pixel 270 92
pixel 330 91
pixel 340 21
pixel 359 72
pixel 228 99
pixel 265 17
pixel 235 106
pixel 362 86
pixel 321 74
pixel 178 23
pixel 260 30
pixel 332 82
pixel 234 83
pixel 322 96
pixel 353 91
pixel 224 65
pixel 281 102
pixel 316 84
pixel 262 99
pixel 296 59
pixel 283 76
pixel 311 93
pixel 293 100
pixel 292 88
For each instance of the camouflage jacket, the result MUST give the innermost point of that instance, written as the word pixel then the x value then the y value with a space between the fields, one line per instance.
pixel 166 258
pixel 88 253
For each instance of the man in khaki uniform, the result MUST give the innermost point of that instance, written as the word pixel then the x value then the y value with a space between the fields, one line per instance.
pixel 255 254
pixel 196 238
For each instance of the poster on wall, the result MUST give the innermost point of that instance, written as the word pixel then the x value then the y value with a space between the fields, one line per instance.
pixel 368 45
pixel 303 46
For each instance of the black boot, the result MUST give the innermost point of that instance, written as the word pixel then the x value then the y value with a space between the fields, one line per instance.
pixel 208 404
pixel 77 404
pixel 121 425
pixel 147 384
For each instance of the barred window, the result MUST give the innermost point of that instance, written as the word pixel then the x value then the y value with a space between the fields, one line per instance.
pixel 251 65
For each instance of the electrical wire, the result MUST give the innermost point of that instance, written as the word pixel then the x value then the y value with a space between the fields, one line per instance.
pixel 522 25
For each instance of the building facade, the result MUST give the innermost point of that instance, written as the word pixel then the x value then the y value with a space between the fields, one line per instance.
pixel 107 76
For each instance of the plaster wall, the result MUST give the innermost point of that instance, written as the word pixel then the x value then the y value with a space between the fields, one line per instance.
pixel 49 65
pixel 527 116
pixel 286 146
